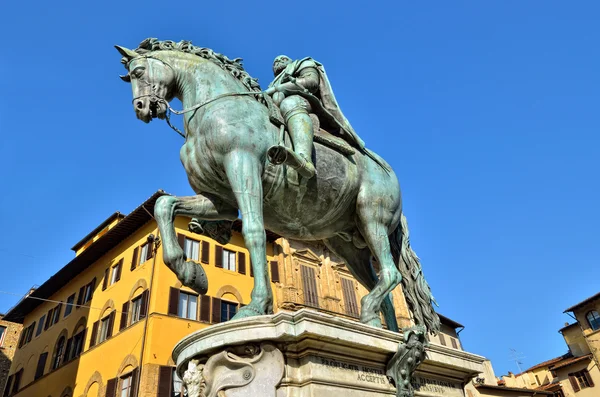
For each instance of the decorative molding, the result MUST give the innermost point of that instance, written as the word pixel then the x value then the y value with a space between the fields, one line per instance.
pixel 82 322
pixel 95 378
pixel 307 255
pixel 110 304
pixel 141 283
pixel 230 289
pixel 130 360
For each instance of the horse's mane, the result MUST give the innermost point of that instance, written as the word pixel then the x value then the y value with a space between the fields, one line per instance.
pixel 234 67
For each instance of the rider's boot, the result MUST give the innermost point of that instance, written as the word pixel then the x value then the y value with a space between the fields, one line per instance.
pixel 300 126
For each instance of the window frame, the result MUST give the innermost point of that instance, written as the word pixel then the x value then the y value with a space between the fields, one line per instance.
pixel 40 327
pixel 228 304
pixel 59 353
pixel 187 306
pixel 143 257
pixel 69 305
pixel 74 353
pixel 226 263
pixel 3 334
pixel 127 376
pixel 191 242
pixel 581 378
pixel 88 293
pixel 114 272
pixel 102 331
pixel 136 309
pixel 595 322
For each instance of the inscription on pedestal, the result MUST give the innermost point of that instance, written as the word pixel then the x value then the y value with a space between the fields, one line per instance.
pixel 436 387
pixel 360 373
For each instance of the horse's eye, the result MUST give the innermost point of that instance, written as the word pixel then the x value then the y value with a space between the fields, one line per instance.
pixel 138 72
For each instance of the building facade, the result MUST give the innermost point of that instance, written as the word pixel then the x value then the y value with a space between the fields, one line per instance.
pixel 9 338
pixel 106 323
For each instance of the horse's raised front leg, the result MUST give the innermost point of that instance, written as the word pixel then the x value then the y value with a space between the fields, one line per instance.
pixel 244 175
pixel 165 210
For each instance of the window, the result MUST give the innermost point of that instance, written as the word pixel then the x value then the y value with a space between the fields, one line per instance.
pixel 144 255
pixel 40 326
pixel 70 303
pixel 580 380
pixel 178 390
pixel 188 306
pixel 77 346
pixel 17 381
pixel 191 249
pixel 59 353
pixel 104 329
pixel 126 386
pixel 228 310
pixel 229 260
pixel 116 273
pixel 309 284
pixel 349 292
pixel 136 306
pixel 89 291
pixel 455 345
pixel 558 393
pixel 593 319
pixel 2 334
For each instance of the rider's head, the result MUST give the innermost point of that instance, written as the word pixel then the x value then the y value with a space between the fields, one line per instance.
pixel 280 63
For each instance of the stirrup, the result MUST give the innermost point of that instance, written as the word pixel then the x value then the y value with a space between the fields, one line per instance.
pixel 279 154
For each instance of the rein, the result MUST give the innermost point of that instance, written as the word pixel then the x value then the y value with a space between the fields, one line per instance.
pixel 156 99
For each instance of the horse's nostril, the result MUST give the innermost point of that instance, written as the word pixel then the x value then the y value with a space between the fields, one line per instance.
pixel 139 104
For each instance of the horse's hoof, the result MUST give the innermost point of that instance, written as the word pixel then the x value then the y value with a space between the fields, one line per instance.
pixel 195 278
pixel 374 322
pixel 247 311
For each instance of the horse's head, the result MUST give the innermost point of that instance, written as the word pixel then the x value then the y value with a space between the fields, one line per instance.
pixel 152 81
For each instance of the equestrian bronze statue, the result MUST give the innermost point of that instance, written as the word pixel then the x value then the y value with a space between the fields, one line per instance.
pixel 285 159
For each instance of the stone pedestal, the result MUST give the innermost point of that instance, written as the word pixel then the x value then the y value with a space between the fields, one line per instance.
pixel 307 353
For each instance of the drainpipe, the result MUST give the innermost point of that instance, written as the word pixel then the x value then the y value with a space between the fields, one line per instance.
pixel 146 324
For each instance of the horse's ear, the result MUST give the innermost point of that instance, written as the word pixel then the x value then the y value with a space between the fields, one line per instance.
pixel 126 52
pixel 126 78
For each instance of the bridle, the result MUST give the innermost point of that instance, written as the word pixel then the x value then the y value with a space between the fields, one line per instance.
pixel 155 98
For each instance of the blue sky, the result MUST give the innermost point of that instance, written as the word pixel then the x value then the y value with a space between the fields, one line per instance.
pixel 487 111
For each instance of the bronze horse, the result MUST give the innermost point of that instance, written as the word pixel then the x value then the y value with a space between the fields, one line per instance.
pixel 353 205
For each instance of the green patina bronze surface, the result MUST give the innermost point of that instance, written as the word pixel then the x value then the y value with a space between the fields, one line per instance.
pixel 238 158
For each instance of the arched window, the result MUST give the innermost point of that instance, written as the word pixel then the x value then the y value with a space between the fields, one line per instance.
pixel 59 353
pixel 593 319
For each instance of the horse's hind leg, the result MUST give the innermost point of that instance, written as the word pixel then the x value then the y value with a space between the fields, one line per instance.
pixel 165 210
pixel 359 263
pixel 375 216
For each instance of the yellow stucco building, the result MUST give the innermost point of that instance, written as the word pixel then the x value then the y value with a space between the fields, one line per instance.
pixel 106 323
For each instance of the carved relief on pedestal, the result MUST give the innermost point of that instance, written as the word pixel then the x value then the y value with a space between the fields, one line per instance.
pixel 240 371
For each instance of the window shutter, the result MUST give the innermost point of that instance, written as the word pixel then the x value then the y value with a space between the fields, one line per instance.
pixel 67 353
pixel 274 271
pixel 205 252
pixel 119 269
pixel 218 256
pixel 17 381
pixel 241 257
pixel 111 387
pixel 181 240
pixel 106 276
pixel 39 372
pixel 442 339
pixel 309 283
pixel 48 319
pixel 135 374
pixel 349 297
pixel 94 334
pixel 454 344
pixel 588 377
pixel 205 308
pixel 8 385
pixel 173 301
pixel 111 324
pixel 124 314
pixel 165 380
pixel 149 251
pixel 80 297
pixel 574 383
pixel 216 310
pixel 144 304
pixel 134 258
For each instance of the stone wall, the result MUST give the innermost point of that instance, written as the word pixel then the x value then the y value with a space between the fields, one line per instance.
pixel 8 346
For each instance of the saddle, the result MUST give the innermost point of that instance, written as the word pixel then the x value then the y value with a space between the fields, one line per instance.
pixel 321 136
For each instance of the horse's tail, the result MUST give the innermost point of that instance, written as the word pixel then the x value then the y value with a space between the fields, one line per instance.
pixel 416 290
